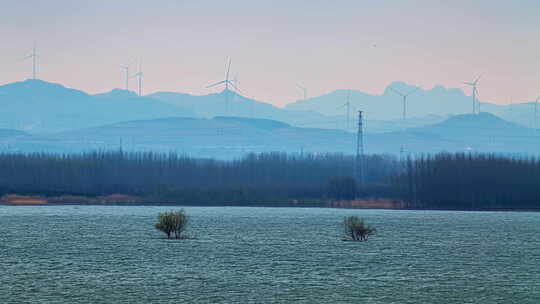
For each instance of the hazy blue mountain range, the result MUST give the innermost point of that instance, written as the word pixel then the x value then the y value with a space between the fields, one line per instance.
pixel 220 137
pixel 388 106
pixel 483 132
pixel 9 133
pixel 39 106
pixel 230 103
pixel 230 137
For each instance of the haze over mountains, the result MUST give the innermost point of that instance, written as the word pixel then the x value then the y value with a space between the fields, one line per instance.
pixel 40 116
pixel 219 137
pixel 231 137
pixel 37 106
pixel 49 107
pixel 435 103
pixel 230 103
pixel 482 132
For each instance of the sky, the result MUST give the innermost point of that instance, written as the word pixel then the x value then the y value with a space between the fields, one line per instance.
pixel 183 45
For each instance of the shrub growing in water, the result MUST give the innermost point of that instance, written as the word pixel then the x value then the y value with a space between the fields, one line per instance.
pixel 174 222
pixel 356 229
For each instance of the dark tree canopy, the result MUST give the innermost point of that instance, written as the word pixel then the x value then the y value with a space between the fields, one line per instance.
pixel 268 177
pixel 174 222
pixel 470 181
pixel 342 188
pixel 442 181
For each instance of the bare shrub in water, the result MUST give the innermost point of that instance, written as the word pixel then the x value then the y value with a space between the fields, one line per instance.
pixel 172 223
pixel 356 229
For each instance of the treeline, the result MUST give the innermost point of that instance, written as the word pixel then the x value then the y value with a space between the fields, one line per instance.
pixel 443 181
pixel 470 181
pixel 268 177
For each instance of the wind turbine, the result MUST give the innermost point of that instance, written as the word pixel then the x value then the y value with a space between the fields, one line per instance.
pixel 474 92
pixel 125 68
pixel 227 82
pixel 139 75
pixel 34 57
pixel 348 105
pixel 404 96
pixel 304 90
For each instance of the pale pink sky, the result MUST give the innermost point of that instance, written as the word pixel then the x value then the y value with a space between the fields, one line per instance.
pixel 323 45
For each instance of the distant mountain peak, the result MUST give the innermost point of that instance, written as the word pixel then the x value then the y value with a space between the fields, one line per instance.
pixel 483 119
pixel 229 92
pixel 117 93
pixel 400 86
pixel 37 83
pixel 41 87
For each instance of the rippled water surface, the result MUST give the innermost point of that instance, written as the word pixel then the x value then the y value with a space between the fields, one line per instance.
pixel 88 254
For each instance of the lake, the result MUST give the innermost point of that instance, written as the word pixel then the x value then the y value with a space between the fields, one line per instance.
pixel 113 254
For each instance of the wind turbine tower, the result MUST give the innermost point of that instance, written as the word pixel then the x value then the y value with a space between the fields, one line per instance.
pixel 34 57
pixel 139 76
pixel 474 86
pixel 404 96
pixel 304 91
pixel 348 106
pixel 125 68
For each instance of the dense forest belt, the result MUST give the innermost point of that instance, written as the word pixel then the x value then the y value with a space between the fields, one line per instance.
pixel 442 182
pixel 256 178
pixel 470 182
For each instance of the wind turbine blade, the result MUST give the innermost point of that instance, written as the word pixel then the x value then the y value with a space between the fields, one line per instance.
pixel 136 75
pixel 127 66
pixel 476 81
pixel 398 92
pixel 413 91
pixel 232 84
pixel 228 69
pixel 301 87
pixel 469 83
pixel 217 83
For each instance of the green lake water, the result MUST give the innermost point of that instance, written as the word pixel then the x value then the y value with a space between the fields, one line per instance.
pixel 110 254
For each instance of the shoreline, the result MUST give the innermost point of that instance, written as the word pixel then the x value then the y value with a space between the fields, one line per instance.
pixel 129 200
pixel 261 205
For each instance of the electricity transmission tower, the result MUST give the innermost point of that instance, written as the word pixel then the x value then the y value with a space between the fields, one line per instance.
pixel 359 161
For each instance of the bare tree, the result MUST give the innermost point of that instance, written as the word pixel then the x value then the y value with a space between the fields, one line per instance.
pixel 356 229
